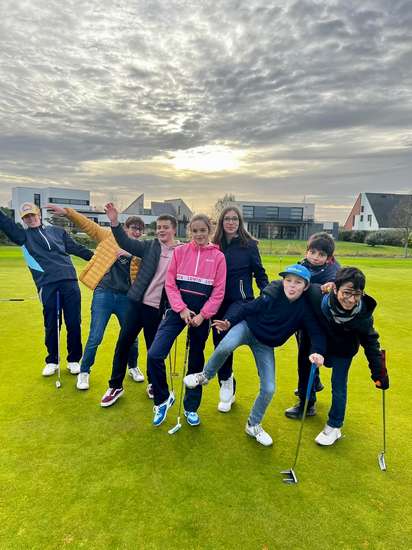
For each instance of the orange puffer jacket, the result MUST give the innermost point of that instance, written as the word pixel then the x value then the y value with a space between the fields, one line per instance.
pixel 105 254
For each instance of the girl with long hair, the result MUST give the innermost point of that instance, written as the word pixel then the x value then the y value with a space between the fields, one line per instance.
pixel 243 263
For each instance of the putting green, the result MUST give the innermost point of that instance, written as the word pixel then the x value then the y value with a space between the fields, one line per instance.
pixel 79 476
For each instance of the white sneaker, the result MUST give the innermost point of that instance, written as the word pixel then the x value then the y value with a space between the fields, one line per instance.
pixel 328 435
pixel 50 369
pixel 83 381
pixel 196 379
pixel 136 374
pixel 226 396
pixel 74 368
pixel 259 434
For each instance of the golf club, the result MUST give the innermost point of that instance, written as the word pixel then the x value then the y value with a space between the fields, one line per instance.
pixel 290 474
pixel 178 424
pixel 58 381
pixel 381 455
pixel 174 359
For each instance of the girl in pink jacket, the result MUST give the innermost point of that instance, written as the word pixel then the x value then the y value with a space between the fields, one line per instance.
pixel 195 287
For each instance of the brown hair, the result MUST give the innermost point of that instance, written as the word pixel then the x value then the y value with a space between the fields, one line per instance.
pixel 323 242
pixel 134 220
pixel 201 218
pixel 244 235
pixel 168 217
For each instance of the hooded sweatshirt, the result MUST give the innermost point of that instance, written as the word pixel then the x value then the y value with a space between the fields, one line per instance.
pixel 196 279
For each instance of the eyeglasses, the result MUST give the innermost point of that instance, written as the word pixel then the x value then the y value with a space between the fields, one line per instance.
pixel 228 220
pixel 348 294
pixel 135 227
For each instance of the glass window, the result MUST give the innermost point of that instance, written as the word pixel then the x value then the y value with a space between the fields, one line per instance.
pixel 296 213
pixel 272 212
pixel 82 202
pixel 248 211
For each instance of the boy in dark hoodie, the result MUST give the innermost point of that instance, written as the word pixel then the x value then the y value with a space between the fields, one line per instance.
pixel 263 324
pixel 321 263
pixel 345 315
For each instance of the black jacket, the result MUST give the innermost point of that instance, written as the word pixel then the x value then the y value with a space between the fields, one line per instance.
pixel 47 251
pixel 272 318
pixel 322 274
pixel 343 340
pixel 148 251
pixel 243 262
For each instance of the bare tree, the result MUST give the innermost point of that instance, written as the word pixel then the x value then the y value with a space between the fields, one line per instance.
pixel 221 203
pixel 403 219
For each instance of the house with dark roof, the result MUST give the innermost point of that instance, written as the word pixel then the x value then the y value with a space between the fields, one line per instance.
pixel 374 211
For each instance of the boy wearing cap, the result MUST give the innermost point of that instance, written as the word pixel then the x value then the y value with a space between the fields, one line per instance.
pixel 47 253
pixel 263 324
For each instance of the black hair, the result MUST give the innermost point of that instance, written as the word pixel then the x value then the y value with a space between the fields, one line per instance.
pixel 350 275
pixel 322 242
pixel 135 220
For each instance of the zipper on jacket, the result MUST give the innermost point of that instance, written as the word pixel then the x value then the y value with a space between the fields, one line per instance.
pixel 45 238
pixel 242 292
pixel 197 261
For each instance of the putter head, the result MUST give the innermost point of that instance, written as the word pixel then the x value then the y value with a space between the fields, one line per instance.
pixel 290 476
pixel 175 428
pixel 381 461
pixel 58 384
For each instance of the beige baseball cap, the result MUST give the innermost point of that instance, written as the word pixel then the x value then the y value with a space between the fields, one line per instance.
pixel 28 208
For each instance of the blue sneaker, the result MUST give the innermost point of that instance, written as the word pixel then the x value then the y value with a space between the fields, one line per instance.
pixel 192 418
pixel 160 411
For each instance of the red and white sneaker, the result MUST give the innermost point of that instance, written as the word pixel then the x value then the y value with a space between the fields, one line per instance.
pixel 111 396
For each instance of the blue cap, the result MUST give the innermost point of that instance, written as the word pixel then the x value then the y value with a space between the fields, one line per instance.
pixel 298 270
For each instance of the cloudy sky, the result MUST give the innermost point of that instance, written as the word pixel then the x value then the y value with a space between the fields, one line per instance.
pixel 268 100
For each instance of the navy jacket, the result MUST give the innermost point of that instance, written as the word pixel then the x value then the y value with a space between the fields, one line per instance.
pixel 343 340
pixel 272 318
pixel 243 262
pixel 46 250
pixel 322 274
pixel 148 251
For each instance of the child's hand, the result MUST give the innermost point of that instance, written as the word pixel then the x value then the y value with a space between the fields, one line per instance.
pixel 221 326
pixel 186 315
pixel 197 320
pixel 57 210
pixel 112 213
pixel 316 358
pixel 122 252
pixel 328 287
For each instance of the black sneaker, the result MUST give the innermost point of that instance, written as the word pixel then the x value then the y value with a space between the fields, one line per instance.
pixel 318 385
pixel 297 411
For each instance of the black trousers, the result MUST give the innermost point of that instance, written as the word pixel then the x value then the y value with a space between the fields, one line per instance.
pixel 138 316
pixel 69 305
pixel 304 368
pixel 171 326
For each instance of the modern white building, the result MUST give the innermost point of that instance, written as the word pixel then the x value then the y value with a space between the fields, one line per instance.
pixel 60 196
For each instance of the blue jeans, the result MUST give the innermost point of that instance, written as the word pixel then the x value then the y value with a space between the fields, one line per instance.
pixel 340 369
pixel 105 303
pixel 265 362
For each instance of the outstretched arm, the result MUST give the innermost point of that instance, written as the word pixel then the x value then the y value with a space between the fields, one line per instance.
pixel 94 230
pixel 13 231
pixel 75 248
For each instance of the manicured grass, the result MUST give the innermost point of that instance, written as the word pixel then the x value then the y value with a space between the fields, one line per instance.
pixel 280 247
pixel 78 476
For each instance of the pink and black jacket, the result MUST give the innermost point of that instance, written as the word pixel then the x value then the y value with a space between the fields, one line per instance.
pixel 196 279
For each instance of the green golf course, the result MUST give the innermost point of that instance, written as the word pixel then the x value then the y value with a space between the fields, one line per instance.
pixel 76 475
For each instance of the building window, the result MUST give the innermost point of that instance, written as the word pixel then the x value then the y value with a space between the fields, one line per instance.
pixel 272 212
pixel 361 218
pixel 353 221
pixel 248 211
pixel 37 199
pixel 296 213
pixel 370 219
pixel 362 208
pixel 82 202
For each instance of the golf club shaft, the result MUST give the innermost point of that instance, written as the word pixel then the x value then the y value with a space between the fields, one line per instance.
pixel 384 420
pixel 305 408
pixel 184 370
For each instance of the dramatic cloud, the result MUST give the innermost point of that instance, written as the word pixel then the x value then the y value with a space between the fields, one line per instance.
pixel 267 100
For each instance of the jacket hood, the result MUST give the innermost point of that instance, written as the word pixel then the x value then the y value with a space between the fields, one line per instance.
pixel 209 246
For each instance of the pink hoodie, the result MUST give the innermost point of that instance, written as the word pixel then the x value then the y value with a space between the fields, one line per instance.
pixel 196 279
